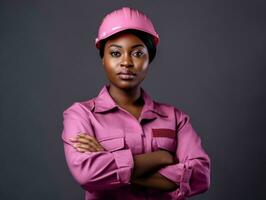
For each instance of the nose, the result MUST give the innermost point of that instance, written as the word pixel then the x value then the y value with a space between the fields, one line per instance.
pixel 126 60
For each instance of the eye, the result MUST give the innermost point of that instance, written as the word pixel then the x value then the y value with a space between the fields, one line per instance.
pixel 138 53
pixel 115 53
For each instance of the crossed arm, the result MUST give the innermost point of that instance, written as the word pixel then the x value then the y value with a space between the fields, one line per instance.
pixel 145 173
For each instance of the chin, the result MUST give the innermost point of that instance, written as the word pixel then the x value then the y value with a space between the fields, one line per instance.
pixel 126 85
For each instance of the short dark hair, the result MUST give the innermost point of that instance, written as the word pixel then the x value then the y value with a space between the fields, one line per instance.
pixel 146 38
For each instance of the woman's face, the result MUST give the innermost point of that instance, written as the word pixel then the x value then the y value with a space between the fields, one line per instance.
pixel 125 60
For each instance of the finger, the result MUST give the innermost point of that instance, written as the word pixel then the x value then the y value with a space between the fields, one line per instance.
pixel 85 150
pixel 79 135
pixel 73 139
pixel 85 147
pixel 92 143
pixel 101 148
pixel 91 139
pixel 83 140
pixel 82 150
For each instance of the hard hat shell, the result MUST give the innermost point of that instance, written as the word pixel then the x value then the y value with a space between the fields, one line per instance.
pixel 123 19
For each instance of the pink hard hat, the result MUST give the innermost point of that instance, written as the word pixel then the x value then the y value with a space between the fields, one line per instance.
pixel 123 19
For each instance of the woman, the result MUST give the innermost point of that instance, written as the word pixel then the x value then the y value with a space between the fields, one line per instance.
pixel 122 144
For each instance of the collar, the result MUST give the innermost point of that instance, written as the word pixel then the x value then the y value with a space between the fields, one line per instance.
pixel 104 103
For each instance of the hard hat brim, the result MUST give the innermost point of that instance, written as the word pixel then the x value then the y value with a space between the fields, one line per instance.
pixel 120 29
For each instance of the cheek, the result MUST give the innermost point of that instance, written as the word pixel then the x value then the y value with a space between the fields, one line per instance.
pixel 109 71
pixel 109 64
pixel 142 65
pixel 110 68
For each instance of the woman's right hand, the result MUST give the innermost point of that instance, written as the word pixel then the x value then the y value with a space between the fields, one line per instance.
pixel 85 142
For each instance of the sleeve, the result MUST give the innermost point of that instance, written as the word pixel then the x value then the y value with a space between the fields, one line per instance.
pixel 93 170
pixel 192 173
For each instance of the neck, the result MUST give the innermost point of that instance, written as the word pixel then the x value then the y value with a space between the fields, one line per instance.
pixel 126 98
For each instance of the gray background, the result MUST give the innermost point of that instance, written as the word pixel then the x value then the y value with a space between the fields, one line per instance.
pixel 210 63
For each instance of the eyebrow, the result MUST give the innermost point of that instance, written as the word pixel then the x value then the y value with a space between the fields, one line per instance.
pixel 134 46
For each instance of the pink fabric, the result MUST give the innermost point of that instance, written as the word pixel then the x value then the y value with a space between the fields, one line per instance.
pixel 106 175
pixel 123 19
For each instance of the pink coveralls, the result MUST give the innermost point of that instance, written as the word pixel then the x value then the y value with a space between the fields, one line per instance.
pixel 106 174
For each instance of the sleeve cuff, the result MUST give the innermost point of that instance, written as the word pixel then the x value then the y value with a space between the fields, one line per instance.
pixel 180 174
pixel 125 164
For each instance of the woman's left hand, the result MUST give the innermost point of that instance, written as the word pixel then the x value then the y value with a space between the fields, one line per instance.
pixel 85 142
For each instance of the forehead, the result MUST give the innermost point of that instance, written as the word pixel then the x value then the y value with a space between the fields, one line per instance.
pixel 124 39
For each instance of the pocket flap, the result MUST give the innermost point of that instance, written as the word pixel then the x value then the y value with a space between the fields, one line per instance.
pixel 113 144
pixel 165 138
pixel 113 141
pixel 163 132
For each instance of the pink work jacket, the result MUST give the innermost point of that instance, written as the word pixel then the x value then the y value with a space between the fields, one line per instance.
pixel 106 174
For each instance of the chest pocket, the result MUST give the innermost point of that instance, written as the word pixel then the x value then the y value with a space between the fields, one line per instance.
pixel 164 138
pixel 114 141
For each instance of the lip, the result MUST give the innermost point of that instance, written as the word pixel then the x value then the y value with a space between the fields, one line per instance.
pixel 126 72
pixel 126 75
